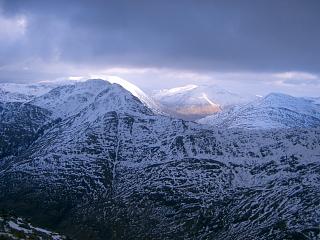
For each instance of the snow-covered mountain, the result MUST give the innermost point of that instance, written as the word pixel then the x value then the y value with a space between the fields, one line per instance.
pixel 115 169
pixel 14 92
pixel 273 111
pixel 6 96
pixel 70 99
pixel 315 100
pixel 194 102
pixel 34 89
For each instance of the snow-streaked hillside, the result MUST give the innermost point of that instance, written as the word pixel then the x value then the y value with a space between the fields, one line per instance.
pixel 13 228
pixel 273 111
pixel 193 102
pixel 114 169
pixel 19 126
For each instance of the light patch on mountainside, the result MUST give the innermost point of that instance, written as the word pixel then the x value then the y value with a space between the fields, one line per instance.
pixel 193 102
pixel 137 92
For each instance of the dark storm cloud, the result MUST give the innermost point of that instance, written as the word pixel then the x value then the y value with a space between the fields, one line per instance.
pixel 256 35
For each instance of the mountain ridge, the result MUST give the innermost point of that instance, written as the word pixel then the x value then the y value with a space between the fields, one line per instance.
pixel 276 110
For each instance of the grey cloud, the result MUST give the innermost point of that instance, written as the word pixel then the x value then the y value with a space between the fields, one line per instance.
pixel 238 35
pixel 302 81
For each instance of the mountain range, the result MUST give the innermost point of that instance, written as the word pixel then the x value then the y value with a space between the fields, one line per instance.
pixel 273 111
pixel 14 92
pixel 94 161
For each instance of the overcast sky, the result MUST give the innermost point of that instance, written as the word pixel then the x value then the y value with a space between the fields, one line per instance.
pixel 255 46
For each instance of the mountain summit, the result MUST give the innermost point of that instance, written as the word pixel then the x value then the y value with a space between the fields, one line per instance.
pixel 70 99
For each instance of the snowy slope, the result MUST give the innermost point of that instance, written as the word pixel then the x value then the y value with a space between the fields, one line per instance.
pixel 14 92
pixel 135 91
pixel 112 169
pixel 68 100
pixel 315 100
pixel 33 89
pixel 12 228
pixel 6 96
pixel 273 111
pixel 193 102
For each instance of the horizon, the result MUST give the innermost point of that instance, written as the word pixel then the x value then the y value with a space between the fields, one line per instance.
pixel 152 91
pixel 242 46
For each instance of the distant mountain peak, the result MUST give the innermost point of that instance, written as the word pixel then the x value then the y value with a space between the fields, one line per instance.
pixel 176 90
pixel 192 102
pixel 277 95
pixel 276 110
